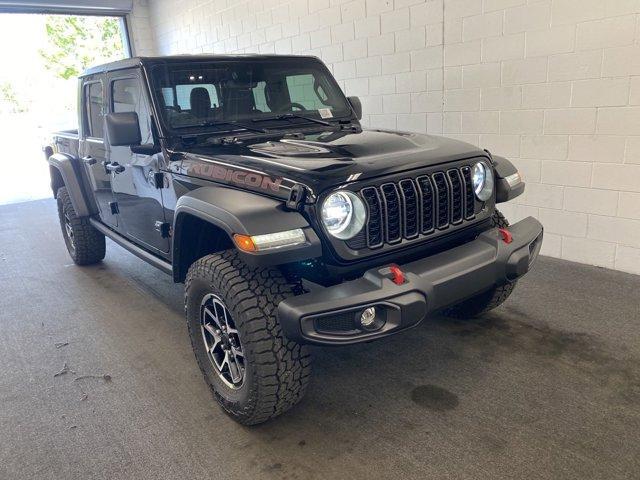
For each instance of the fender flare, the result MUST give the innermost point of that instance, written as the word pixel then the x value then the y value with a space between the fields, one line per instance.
pixel 246 213
pixel 63 163
pixel 504 191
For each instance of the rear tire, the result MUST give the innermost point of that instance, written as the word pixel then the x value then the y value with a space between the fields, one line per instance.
pixel 486 301
pixel 271 372
pixel 85 244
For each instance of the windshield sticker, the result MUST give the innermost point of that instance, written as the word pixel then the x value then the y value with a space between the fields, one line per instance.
pixel 325 113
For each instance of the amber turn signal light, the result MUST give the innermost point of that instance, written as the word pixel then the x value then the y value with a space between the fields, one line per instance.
pixel 244 242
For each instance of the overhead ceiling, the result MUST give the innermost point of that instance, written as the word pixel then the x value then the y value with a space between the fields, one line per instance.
pixel 74 7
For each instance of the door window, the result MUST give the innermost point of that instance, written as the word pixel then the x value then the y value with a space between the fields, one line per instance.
pixel 126 96
pixel 93 110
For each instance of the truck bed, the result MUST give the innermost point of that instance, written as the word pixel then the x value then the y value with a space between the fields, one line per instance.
pixel 66 141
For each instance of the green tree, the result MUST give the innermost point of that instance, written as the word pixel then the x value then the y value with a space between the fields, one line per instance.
pixel 8 95
pixel 75 43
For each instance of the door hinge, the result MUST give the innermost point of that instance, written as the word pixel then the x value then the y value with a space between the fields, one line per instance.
pixel 114 208
pixel 164 228
pixel 158 179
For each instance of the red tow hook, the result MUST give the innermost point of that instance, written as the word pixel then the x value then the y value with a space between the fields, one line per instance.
pixel 397 275
pixel 506 235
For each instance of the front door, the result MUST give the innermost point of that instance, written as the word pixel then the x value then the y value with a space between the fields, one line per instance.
pixel 93 151
pixel 141 215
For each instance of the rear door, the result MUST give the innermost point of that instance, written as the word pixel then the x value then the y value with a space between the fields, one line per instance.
pixel 93 151
pixel 141 215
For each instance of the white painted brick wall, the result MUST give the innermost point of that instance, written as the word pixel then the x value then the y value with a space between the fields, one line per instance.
pixel 552 84
pixel 140 29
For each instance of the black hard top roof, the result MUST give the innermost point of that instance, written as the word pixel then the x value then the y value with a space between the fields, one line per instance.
pixel 139 61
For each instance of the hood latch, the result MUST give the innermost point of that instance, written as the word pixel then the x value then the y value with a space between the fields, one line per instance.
pixel 297 197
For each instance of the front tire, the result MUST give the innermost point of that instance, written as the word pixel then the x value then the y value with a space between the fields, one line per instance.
pixel 254 372
pixel 486 301
pixel 85 244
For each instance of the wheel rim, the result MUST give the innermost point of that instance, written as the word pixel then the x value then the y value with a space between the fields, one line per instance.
pixel 222 341
pixel 69 231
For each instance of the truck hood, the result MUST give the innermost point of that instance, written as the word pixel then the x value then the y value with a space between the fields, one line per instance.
pixel 324 160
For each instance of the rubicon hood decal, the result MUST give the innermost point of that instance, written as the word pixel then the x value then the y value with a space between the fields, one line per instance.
pixel 239 177
pixel 219 171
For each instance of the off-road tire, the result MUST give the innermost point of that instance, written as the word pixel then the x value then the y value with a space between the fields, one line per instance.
pixel 88 245
pixel 486 301
pixel 277 370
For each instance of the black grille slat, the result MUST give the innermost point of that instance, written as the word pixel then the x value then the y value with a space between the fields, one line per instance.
pixel 410 208
pixel 442 197
pixel 426 204
pixel 375 231
pixel 391 202
pixel 469 196
pixel 457 200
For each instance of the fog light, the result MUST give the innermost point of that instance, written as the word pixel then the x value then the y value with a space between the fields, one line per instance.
pixel 372 318
pixel 368 317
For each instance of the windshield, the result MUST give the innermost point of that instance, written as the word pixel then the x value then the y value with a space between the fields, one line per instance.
pixel 199 94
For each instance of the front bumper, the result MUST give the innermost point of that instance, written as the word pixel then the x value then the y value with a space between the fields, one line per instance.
pixel 328 316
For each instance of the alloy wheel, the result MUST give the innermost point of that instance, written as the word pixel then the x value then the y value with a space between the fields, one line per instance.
pixel 69 231
pixel 222 341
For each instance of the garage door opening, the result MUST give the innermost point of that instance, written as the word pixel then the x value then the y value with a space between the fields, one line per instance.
pixel 42 58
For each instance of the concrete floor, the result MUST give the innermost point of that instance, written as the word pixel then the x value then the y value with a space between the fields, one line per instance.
pixel 548 386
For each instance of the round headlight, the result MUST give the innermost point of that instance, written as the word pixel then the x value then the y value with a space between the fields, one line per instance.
pixel 343 214
pixel 482 178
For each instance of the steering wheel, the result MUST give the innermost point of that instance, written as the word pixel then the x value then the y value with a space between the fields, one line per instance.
pixel 291 106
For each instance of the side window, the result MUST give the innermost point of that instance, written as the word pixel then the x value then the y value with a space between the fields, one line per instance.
pixel 93 110
pixel 126 96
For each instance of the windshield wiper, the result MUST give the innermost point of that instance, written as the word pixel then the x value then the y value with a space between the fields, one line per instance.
pixel 287 116
pixel 212 123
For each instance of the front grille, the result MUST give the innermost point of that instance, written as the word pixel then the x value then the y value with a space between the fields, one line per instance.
pixel 412 207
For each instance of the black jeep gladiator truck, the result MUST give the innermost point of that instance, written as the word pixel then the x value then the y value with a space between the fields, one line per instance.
pixel 250 179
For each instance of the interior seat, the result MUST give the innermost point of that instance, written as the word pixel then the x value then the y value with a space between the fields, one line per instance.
pixel 200 102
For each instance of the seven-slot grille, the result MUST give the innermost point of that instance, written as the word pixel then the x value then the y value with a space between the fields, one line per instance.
pixel 417 206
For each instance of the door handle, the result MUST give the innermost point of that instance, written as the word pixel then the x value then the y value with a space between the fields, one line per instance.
pixel 114 167
pixel 89 160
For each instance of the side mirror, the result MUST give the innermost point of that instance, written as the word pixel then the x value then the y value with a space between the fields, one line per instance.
pixel 357 106
pixel 123 129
